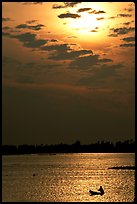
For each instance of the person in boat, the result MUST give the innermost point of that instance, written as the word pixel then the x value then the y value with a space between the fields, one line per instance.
pixel 101 191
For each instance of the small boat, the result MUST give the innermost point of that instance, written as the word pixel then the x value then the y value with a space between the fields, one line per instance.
pixel 99 192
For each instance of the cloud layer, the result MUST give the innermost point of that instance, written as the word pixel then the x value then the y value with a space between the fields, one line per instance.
pixel 30 27
pixel 29 40
pixel 69 15
pixel 65 5
pixel 120 31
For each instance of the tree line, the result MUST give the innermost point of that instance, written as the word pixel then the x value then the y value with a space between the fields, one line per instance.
pixel 127 146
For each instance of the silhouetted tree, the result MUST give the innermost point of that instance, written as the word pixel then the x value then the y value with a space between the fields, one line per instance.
pixel 103 146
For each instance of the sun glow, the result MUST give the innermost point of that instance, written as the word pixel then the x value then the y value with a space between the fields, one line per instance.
pixel 87 23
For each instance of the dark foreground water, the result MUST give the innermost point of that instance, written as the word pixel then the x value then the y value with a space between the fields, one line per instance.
pixel 67 177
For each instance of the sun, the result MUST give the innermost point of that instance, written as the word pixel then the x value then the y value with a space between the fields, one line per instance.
pixel 86 23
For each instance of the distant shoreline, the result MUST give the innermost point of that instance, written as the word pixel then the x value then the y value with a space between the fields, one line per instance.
pixel 49 153
pixel 99 147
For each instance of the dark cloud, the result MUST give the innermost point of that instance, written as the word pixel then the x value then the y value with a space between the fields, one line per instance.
pixel 59 47
pixel 93 31
pixel 87 62
pixel 32 3
pixel 130 9
pixel 83 9
pixel 6 19
pixel 120 15
pixel 26 37
pixel 53 40
pixel 66 5
pixel 105 60
pixel 122 31
pixel 64 52
pixel 113 35
pixel 29 40
pixel 99 75
pixel 127 23
pixel 112 17
pixel 129 39
pixel 71 4
pixel 6 34
pixel 69 15
pixel 30 27
pixel 127 45
pixel 124 15
pixel 6 28
pixel 96 12
pixel 101 18
pixel 31 21
pixel 69 55
pixel 56 6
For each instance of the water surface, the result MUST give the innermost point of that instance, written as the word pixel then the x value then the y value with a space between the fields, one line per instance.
pixel 68 177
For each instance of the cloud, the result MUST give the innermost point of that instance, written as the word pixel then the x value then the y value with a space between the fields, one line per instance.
pixel 100 75
pixel 29 40
pixel 66 5
pixel 56 6
pixel 64 52
pixel 127 45
pixel 129 39
pixel 87 62
pixel 71 4
pixel 93 31
pixel 127 23
pixel 6 19
pixel 83 9
pixel 113 35
pixel 31 21
pixel 124 15
pixel 69 55
pixel 6 28
pixel 120 15
pixel 130 9
pixel 53 40
pixel 32 3
pixel 6 34
pixel 58 47
pixel 68 15
pixel 105 60
pixel 96 12
pixel 112 17
pixel 34 27
pixel 101 18
pixel 122 31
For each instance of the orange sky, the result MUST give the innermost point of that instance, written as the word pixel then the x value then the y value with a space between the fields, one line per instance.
pixel 83 51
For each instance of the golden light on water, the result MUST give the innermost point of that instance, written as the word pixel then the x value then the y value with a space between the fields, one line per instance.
pixel 67 178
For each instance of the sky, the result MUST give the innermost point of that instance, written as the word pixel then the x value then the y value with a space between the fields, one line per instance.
pixel 68 72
